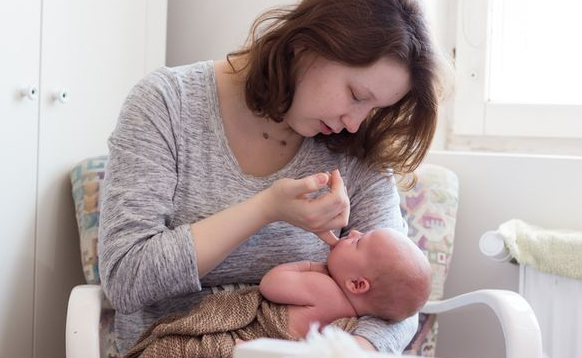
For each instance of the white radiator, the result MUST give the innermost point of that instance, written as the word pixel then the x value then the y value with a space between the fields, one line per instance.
pixel 556 301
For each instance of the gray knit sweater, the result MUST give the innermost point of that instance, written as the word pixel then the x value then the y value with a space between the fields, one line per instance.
pixel 169 166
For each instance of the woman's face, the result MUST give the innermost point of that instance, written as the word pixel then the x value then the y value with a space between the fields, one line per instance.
pixel 330 96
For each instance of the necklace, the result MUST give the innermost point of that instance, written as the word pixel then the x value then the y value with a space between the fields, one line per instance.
pixel 282 142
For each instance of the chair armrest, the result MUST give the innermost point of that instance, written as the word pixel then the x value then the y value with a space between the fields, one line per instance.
pixel 83 315
pixel 521 330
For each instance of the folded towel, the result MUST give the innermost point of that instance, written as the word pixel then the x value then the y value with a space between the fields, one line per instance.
pixel 557 252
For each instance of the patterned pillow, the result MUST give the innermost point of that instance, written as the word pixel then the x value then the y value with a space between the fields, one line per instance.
pixel 86 178
pixel 430 209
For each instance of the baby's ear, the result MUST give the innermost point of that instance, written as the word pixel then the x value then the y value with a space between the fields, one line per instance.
pixel 358 285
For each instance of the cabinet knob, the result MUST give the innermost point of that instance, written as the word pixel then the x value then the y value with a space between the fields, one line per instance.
pixel 61 95
pixel 30 92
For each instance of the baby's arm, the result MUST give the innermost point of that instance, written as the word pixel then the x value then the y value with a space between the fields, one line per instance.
pixel 311 295
pixel 295 283
pixel 318 267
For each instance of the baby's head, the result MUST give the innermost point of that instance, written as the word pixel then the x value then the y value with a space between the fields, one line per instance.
pixel 382 272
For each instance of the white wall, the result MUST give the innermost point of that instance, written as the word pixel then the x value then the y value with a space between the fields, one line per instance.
pixel 208 30
pixel 545 191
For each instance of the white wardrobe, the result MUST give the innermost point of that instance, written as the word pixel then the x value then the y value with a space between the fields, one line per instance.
pixel 65 68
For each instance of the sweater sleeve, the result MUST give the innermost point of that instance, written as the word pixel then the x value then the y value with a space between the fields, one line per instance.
pixel 143 259
pixel 375 203
pixel 389 338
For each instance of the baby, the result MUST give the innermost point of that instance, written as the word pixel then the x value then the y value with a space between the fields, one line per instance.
pixel 380 273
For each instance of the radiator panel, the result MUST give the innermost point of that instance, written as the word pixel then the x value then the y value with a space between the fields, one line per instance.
pixel 556 301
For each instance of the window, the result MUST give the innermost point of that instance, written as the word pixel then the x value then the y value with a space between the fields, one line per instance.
pixel 519 68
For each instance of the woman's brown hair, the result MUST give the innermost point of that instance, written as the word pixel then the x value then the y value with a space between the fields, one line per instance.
pixel 355 33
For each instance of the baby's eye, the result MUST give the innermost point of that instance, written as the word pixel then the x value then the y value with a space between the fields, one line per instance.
pixel 354 97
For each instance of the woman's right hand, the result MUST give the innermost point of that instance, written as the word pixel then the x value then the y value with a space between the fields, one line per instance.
pixel 288 200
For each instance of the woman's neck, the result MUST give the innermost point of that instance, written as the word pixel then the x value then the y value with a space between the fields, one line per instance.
pixel 232 86
pixel 260 146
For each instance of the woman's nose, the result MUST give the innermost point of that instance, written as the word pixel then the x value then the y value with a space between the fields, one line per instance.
pixel 351 121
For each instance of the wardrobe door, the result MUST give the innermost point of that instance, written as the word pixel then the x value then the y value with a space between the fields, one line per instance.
pixel 19 70
pixel 93 52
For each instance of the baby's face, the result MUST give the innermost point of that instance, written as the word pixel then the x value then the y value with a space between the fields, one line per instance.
pixel 351 255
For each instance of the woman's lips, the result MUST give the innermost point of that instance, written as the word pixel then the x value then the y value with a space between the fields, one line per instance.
pixel 325 129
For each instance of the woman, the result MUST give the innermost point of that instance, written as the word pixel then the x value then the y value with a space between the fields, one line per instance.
pixel 217 170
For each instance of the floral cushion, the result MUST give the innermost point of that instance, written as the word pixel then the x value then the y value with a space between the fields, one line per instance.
pixel 86 178
pixel 430 208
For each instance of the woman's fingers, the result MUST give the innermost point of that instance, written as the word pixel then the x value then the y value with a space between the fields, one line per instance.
pixel 335 205
pixel 336 183
pixel 328 237
pixel 288 200
pixel 339 221
pixel 308 184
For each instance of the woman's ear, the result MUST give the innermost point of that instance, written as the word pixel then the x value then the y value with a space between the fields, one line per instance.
pixel 358 285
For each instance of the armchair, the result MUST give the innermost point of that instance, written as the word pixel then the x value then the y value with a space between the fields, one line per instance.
pixel 429 207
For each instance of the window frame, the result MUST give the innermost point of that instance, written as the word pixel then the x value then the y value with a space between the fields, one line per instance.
pixel 474 114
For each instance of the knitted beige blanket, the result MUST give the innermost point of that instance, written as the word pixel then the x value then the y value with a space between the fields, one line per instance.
pixel 211 328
